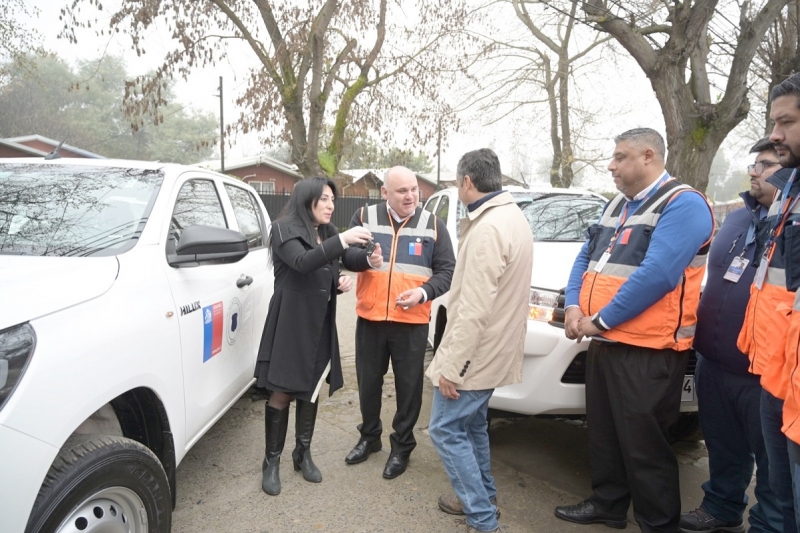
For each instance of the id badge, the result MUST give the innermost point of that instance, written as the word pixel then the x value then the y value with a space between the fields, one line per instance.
pixel 736 269
pixel 761 273
pixel 602 262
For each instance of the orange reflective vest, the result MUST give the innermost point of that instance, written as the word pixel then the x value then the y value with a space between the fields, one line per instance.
pixel 410 249
pixel 786 316
pixel 766 320
pixel 791 405
pixel 670 322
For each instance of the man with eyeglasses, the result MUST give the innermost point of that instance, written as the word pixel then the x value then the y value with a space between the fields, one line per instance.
pixel 728 394
pixel 758 168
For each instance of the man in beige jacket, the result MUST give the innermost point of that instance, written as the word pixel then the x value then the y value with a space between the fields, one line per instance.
pixel 482 347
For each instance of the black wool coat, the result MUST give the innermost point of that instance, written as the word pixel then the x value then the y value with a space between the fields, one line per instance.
pixel 306 277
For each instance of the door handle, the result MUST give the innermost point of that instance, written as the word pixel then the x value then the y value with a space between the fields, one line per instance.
pixel 244 281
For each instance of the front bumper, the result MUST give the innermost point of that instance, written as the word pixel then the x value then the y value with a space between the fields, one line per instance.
pixel 24 462
pixel 545 389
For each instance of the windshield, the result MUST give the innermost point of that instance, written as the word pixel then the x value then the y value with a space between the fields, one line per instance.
pixel 64 210
pixel 562 217
pixel 522 198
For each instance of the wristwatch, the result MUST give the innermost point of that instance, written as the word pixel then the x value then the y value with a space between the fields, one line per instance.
pixel 596 321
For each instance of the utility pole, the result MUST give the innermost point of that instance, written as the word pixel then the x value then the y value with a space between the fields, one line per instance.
pixel 221 130
pixel 439 157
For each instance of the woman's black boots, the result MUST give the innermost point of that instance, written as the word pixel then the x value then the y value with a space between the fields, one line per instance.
pixel 275 424
pixel 305 418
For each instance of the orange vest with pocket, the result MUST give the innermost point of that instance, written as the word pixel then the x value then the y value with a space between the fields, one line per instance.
pixel 670 322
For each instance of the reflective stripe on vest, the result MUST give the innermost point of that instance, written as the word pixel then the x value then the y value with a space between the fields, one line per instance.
pixel 407 264
pixel 670 322
pixel 790 354
pixel 791 405
pixel 763 333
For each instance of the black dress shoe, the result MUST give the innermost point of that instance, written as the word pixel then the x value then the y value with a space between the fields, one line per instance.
pixel 585 513
pixel 396 465
pixel 361 452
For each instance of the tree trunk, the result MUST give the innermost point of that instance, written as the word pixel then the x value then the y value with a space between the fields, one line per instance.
pixel 567 157
pixel 555 140
pixel 695 131
pixel 695 125
pixel 690 159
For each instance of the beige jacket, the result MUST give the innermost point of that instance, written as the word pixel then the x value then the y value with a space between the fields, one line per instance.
pixel 483 342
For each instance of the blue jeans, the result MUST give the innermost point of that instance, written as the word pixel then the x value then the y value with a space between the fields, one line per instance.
pixel 729 406
pixel 460 434
pixel 780 477
pixel 794 463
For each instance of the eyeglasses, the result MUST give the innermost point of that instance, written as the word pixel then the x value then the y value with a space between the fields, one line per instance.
pixel 760 166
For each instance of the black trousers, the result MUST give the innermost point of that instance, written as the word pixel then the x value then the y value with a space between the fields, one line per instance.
pixel 633 396
pixel 404 344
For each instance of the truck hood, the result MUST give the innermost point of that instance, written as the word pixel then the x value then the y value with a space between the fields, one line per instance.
pixel 552 263
pixel 31 287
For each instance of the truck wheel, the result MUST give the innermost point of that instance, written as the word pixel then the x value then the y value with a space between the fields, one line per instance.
pixel 686 429
pixel 103 483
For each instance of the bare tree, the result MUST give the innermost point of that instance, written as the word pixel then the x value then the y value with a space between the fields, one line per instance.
pixel 534 68
pixel 18 44
pixel 15 40
pixel 778 57
pixel 358 64
pixel 556 83
pixel 670 39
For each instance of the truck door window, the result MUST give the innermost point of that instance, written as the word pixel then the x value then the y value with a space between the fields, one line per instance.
pixel 197 203
pixel 444 208
pixel 246 213
pixel 431 205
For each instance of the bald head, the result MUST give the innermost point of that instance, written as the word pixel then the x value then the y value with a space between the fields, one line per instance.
pixel 400 190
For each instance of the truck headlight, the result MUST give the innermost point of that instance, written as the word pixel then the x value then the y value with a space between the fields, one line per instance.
pixel 16 347
pixel 541 305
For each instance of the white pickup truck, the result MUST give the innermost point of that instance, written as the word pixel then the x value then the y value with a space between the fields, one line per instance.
pixel 133 300
pixel 553 377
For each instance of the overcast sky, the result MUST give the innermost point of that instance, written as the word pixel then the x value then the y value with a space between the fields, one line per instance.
pixel 618 90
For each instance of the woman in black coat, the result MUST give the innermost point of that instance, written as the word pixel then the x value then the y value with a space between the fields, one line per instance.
pixel 299 347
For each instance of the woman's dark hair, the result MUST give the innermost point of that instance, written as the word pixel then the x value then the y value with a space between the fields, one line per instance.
pixel 304 198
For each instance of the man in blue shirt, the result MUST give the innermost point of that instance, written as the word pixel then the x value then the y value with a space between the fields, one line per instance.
pixel 634 288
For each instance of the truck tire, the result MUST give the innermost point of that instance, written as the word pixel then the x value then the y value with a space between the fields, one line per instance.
pixel 103 482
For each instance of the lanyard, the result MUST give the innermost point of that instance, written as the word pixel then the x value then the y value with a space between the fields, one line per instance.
pixel 751 235
pixel 783 213
pixel 751 231
pixel 623 217
pixel 749 240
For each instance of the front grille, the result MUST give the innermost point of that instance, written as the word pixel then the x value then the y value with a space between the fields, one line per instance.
pixel 576 371
pixel 692 364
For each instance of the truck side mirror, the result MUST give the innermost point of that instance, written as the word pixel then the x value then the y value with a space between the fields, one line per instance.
pixel 207 245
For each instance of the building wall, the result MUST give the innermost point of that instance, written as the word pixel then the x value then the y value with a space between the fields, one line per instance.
pixel 47 148
pixel 426 189
pixel 357 189
pixel 366 187
pixel 5 151
pixel 363 187
pixel 284 183
pixel 722 209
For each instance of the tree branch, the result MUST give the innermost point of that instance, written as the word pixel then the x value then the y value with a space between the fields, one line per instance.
pixel 633 41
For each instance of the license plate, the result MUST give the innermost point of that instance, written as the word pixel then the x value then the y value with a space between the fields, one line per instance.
pixel 687 393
